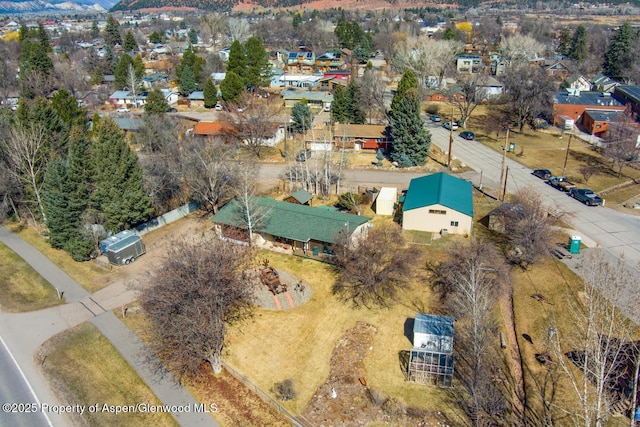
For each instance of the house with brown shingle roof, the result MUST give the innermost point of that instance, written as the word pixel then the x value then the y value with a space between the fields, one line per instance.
pixel 216 131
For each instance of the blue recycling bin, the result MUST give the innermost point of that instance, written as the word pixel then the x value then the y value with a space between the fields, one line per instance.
pixel 574 244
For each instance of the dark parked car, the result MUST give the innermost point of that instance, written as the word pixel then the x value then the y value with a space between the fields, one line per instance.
pixel 585 196
pixel 435 118
pixel 468 135
pixel 303 155
pixel 543 173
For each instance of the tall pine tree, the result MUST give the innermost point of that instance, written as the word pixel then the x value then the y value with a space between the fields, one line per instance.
pixel 258 66
pixel 618 57
pixel 411 141
pixel 210 94
pixel 119 194
pixel 237 60
pixel 232 86
pixel 579 44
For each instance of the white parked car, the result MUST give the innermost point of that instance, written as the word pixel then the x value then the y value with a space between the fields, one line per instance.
pixel 123 110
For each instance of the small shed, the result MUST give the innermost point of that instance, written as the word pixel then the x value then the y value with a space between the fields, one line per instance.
pixel 431 358
pixel 300 197
pixel 385 202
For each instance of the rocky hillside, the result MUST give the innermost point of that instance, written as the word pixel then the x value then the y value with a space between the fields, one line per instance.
pixel 53 6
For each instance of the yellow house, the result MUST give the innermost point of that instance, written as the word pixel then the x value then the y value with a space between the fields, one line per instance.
pixel 438 203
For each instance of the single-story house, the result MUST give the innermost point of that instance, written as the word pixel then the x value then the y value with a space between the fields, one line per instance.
pixel 196 98
pixel 489 87
pixel 438 203
pixel 129 124
pixel 303 228
pixel 215 131
pixel 314 98
pixel 361 137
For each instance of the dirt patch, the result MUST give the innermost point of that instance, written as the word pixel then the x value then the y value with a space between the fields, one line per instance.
pixel 346 400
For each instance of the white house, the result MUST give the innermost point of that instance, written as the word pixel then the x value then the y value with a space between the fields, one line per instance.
pixel 438 203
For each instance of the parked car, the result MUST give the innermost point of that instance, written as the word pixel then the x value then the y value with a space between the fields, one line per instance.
pixel 303 155
pixel 542 173
pixel 435 118
pixel 468 135
pixel 561 183
pixel 450 126
pixel 218 107
pixel 585 196
pixel 172 110
pixel 123 110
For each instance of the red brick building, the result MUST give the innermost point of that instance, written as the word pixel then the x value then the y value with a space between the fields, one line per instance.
pixel 574 103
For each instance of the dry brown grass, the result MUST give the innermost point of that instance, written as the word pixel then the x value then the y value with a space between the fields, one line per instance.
pixel 88 274
pixel 21 287
pixel 86 369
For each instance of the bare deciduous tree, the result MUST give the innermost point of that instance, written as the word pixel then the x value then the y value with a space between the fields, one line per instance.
pixel 520 47
pixel 371 270
pixel 599 340
pixel 252 213
pixel 371 95
pixel 622 145
pixel 213 28
pixel 529 90
pixel 255 121
pixel 210 172
pixel 469 282
pixel 469 86
pixel 25 150
pixel 426 58
pixel 528 225
pixel 239 29
pixel 196 292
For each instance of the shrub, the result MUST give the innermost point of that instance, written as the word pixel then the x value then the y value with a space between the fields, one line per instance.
pixel 284 390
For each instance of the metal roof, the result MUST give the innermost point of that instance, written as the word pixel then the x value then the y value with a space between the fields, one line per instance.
pixel 632 92
pixel 603 115
pixel 440 189
pixel 123 243
pixel 433 325
pixel 585 98
pixel 291 221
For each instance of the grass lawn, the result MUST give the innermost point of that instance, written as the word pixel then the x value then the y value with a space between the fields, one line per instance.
pixel 87 274
pixel 85 369
pixel 21 287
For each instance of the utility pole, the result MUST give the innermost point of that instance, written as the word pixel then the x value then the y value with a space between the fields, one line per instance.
pixel 504 164
pixel 450 139
pixel 566 155
pixel 504 191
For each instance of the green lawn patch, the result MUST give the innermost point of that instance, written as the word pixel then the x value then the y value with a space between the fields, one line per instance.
pixel 21 287
pixel 85 369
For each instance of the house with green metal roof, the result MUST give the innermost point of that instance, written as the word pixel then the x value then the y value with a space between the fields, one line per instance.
pixel 307 229
pixel 438 203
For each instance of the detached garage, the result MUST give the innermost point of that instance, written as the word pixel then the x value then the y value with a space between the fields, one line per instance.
pixel 438 203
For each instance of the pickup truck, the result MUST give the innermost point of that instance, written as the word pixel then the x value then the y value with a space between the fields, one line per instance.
pixel 585 196
pixel 560 183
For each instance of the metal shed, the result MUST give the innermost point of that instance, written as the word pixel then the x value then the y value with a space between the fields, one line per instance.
pixel 386 201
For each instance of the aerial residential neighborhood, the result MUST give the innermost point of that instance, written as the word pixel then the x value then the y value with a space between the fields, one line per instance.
pixel 223 213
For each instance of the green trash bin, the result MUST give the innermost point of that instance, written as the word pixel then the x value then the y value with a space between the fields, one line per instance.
pixel 574 245
pixel 315 251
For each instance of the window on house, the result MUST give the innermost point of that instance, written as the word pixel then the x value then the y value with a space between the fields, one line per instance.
pixel 437 212
pixel 454 223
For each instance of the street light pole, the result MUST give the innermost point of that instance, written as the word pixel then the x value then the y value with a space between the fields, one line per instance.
pixel 450 139
pixel 566 155
pixel 504 163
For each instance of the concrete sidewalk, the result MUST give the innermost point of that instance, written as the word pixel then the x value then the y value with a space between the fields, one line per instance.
pixel 25 332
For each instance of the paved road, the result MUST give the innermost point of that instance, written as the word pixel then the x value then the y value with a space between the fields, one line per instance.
pixel 25 332
pixel 614 231
pixel 24 406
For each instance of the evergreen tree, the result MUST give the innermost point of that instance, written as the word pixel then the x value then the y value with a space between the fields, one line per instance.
pixel 119 194
pixel 138 66
pixel 579 44
pixel 130 44
pixel 155 37
pixel 407 82
pixel 193 36
pixel 95 30
pixel 210 94
pixel 156 102
pixel 355 111
pixel 618 57
pixel 67 108
pixel 411 141
pixel 23 33
pixel 112 35
pixel 258 66
pixel 564 45
pixel 187 81
pixel 121 73
pixel 450 34
pixel 301 118
pixel 191 60
pixel 237 60
pixel 43 38
pixel 297 20
pixel 340 106
pixel 232 86
pixel 61 221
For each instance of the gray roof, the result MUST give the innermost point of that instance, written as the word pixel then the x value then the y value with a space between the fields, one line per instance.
pixel 198 95
pixel 433 325
pixel 603 115
pixel 128 124
pixel 632 92
pixel 306 94
pixel 585 98
pixel 302 196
